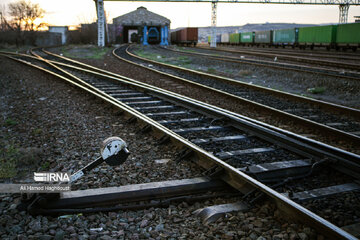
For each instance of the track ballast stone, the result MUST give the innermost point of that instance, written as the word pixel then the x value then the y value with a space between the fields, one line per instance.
pixel 66 125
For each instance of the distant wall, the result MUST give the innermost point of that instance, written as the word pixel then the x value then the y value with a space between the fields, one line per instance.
pixel 48 39
pixel 8 37
pixel 30 38
pixel 62 30
pixel 88 33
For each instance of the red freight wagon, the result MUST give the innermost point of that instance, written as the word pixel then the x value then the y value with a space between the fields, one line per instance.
pixel 186 36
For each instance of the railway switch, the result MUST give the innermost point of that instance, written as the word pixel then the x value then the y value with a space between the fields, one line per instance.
pixel 113 151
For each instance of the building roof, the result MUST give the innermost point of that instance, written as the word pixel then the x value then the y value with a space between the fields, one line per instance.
pixel 59 27
pixel 141 16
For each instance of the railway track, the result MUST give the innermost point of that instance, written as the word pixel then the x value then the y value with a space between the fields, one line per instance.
pixel 311 54
pixel 324 119
pixel 340 62
pixel 339 73
pixel 252 158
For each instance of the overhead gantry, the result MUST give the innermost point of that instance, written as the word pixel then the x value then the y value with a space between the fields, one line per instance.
pixel 343 11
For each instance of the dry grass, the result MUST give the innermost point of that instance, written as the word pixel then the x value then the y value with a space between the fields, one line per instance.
pixel 244 73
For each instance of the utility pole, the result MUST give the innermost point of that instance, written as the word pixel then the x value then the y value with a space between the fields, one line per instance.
pixel 1 17
pixel 213 24
pixel 101 22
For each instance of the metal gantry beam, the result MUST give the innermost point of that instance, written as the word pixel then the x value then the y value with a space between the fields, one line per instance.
pixel 310 2
pixel 343 7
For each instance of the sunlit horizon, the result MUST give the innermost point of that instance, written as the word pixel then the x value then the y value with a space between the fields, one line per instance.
pixel 192 14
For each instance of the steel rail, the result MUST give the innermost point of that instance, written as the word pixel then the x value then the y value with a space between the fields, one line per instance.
pixel 345 158
pixel 346 161
pixel 233 176
pixel 325 130
pixel 271 64
pixel 109 73
pixel 330 106
pixel 296 58
pixel 335 152
pixel 312 53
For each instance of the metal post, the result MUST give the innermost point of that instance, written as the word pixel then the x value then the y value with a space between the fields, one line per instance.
pixel 166 35
pixel 1 19
pixel 343 14
pixel 162 36
pixel 213 24
pixel 101 22
pixel 145 42
pixel 107 39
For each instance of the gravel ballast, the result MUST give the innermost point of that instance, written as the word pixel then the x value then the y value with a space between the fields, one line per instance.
pixel 57 127
pixel 306 110
pixel 337 90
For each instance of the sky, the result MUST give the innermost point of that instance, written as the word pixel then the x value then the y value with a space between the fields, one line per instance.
pixel 73 12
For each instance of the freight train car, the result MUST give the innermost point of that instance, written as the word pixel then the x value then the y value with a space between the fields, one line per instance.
pixel 348 36
pixel 323 36
pixel 185 36
pixel 285 37
pixel 173 37
pixel 343 36
pixel 218 39
pixel 225 39
pixel 234 38
pixel 263 38
pixel 247 38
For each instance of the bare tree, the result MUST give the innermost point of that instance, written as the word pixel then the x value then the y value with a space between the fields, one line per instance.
pixel 34 12
pixel 2 23
pixel 5 25
pixel 17 12
pixel 7 34
pixel 86 19
pixel 24 13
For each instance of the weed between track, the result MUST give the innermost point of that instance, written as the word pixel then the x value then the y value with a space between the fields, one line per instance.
pixel 182 61
pixel 84 52
pixel 8 161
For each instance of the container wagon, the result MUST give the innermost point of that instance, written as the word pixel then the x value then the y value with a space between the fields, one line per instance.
pixel 323 36
pixel 185 36
pixel 247 38
pixel 286 37
pixel 225 39
pixel 348 36
pixel 218 39
pixel 173 37
pixel 234 38
pixel 263 38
